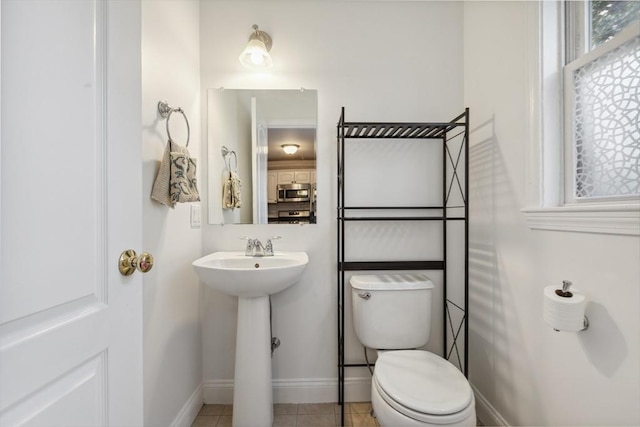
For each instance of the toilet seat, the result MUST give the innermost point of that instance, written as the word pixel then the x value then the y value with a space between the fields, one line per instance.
pixel 423 386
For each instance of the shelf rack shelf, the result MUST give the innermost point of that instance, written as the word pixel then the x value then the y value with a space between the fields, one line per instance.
pixel 455 130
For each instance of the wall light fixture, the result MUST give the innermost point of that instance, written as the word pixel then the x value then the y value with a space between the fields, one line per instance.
pixel 256 55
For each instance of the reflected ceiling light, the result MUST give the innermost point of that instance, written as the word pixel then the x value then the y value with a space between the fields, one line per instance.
pixel 290 148
pixel 256 55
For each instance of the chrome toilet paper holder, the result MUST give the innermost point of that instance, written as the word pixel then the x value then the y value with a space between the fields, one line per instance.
pixel 565 293
pixel 585 324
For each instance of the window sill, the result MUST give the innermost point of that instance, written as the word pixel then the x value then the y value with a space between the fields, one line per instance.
pixel 609 219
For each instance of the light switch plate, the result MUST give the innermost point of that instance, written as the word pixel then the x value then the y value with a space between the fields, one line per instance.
pixel 195 216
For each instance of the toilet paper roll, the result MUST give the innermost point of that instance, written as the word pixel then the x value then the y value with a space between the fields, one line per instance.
pixel 564 314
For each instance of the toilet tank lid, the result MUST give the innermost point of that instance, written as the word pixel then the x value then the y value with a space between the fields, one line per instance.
pixel 391 282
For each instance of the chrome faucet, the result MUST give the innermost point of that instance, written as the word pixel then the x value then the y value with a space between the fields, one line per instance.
pixel 256 248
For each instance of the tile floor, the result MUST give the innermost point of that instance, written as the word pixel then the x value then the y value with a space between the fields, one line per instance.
pixel 295 415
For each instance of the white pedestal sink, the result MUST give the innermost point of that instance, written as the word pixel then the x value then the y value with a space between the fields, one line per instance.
pixel 252 280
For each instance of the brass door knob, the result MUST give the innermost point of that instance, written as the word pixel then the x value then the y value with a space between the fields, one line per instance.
pixel 130 261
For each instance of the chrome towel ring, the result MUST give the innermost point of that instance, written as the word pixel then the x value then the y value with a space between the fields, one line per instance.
pixel 165 111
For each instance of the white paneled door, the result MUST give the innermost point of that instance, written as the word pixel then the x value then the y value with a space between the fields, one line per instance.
pixel 70 324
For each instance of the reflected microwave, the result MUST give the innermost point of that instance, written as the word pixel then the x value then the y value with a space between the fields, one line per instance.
pixel 294 192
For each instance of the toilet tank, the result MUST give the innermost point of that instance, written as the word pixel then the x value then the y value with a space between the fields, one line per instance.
pixel 392 311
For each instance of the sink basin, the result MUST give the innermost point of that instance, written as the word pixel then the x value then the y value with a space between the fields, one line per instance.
pixel 234 273
pixel 252 280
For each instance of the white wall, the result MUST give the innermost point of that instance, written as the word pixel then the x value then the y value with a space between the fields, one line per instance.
pixel 172 336
pixel 391 61
pixel 528 373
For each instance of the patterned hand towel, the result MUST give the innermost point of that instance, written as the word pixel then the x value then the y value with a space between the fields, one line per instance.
pixel 182 186
pixel 231 190
pixel 176 179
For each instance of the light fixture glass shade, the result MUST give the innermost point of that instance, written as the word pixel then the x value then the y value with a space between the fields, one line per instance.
pixel 255 55
pixel 290 148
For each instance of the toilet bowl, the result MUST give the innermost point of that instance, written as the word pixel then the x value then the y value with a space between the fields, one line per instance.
pixel 418 388
pixel 409 387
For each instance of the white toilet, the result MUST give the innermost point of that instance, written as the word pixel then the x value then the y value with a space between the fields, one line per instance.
pixel 392 313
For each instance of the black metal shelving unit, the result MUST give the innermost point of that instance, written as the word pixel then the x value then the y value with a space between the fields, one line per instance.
pixel 453 136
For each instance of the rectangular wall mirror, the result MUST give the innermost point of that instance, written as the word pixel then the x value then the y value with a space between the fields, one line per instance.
pixel 267 139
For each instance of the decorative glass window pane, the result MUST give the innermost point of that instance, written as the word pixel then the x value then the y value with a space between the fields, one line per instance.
pixel 607 130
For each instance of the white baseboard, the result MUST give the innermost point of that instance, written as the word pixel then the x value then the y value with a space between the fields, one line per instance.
pixel 305 390
pixel 218 392
pixel 189 411
pixel 486 413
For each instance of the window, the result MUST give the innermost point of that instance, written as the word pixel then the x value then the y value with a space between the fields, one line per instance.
pixel 602 101
pixel 583 168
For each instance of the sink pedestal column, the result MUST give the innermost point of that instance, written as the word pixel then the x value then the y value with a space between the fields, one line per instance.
pixel 252 391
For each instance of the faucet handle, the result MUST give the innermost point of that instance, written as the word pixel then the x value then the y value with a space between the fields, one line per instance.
pixel 250 248
pixel 269 247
